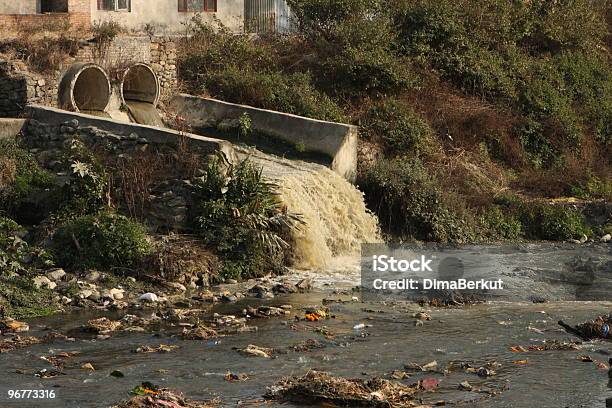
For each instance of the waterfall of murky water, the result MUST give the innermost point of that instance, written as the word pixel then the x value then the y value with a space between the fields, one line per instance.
pixel 144 113
pixel 336 219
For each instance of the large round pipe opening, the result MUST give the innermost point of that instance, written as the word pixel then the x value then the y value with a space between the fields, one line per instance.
pixel 84 87
pixel 140 84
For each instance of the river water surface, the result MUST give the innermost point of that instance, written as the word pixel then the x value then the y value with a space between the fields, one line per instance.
pixel 474 334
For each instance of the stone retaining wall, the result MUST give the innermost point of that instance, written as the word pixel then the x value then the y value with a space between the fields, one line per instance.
pixel 49 132
pixel 19 86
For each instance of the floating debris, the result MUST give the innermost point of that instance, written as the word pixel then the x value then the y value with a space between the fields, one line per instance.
pixel 265 311
pixel 59 360
pixel 547 346
pixel 256 351
pixel 428 384
pixel 308 345
pixel 88 366
pixel 322 388
pixel 117 374
pixel 422 316
pixel 199 332
pixel 316 315
pixel 466 386
pixel 235 377
pixel 162 348
pixel 431 366
pixel 102 325
pixel 17 342
pixel 45 373
pixel 9 325
pixel 399 375
pixel 598 328
pixel 148 395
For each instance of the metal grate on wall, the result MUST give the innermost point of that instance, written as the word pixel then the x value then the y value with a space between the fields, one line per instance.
pixel 265 16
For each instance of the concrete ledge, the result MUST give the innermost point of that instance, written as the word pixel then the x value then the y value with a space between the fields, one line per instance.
pixel 9 128
pixel 154 135
pixel 335 140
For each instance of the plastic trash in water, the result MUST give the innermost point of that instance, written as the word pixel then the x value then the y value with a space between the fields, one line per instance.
pixel 359 326
pixel 605 330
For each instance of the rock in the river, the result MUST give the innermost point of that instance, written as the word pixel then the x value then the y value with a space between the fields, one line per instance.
pixel 116 293
pixel 148 297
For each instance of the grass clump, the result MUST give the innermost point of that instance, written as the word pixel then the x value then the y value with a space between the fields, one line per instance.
pixel 399 128
pixel 234 68
pixel 103 241
pixel 409 204
pixel 552 222
pixel 24 185
pixel 241 217
pixel 20 299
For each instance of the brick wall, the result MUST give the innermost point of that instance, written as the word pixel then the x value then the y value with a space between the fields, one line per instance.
pixel 79 15
pixel 14 21
pixel 122 51
pixel 80 12
pixel 159 52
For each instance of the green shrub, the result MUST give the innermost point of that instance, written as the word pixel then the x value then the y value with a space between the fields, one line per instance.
pixel 540 151
pixel 408 202
pixel 353 41
pixel 85 190
pixel 103 241
pixel 552 222
pixel 400 129
pixel 24 185
pixel 290 93
pixel 12 248
pixel 593 188
pixel 239 214
pixel 20 299
pixel 14 251
pixel 502 223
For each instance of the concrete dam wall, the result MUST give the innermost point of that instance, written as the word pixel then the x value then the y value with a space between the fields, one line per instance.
pixel 335 140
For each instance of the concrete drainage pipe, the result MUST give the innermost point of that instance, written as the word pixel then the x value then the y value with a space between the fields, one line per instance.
pixel 140 84
pixel 84 87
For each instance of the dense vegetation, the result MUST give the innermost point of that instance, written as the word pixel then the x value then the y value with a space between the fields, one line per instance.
pixel 238 213
pixel 478 100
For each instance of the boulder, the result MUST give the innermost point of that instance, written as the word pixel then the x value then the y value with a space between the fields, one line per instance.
pixel 56 274
pixel 148 297
pixel 44 282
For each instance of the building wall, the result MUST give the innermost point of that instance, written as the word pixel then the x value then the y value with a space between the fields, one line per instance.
pixel 18 13
pixel 165 17
pixel 18 6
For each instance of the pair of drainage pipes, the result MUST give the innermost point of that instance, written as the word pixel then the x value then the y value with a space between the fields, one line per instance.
pixel 87 87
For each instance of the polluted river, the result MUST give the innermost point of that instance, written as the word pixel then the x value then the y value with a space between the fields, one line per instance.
pixel 490 353
pixel 356 338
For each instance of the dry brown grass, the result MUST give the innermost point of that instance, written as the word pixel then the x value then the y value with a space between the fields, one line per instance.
pixel 182 258
pixel 463 121
pixel 44 46
pixel 8 170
